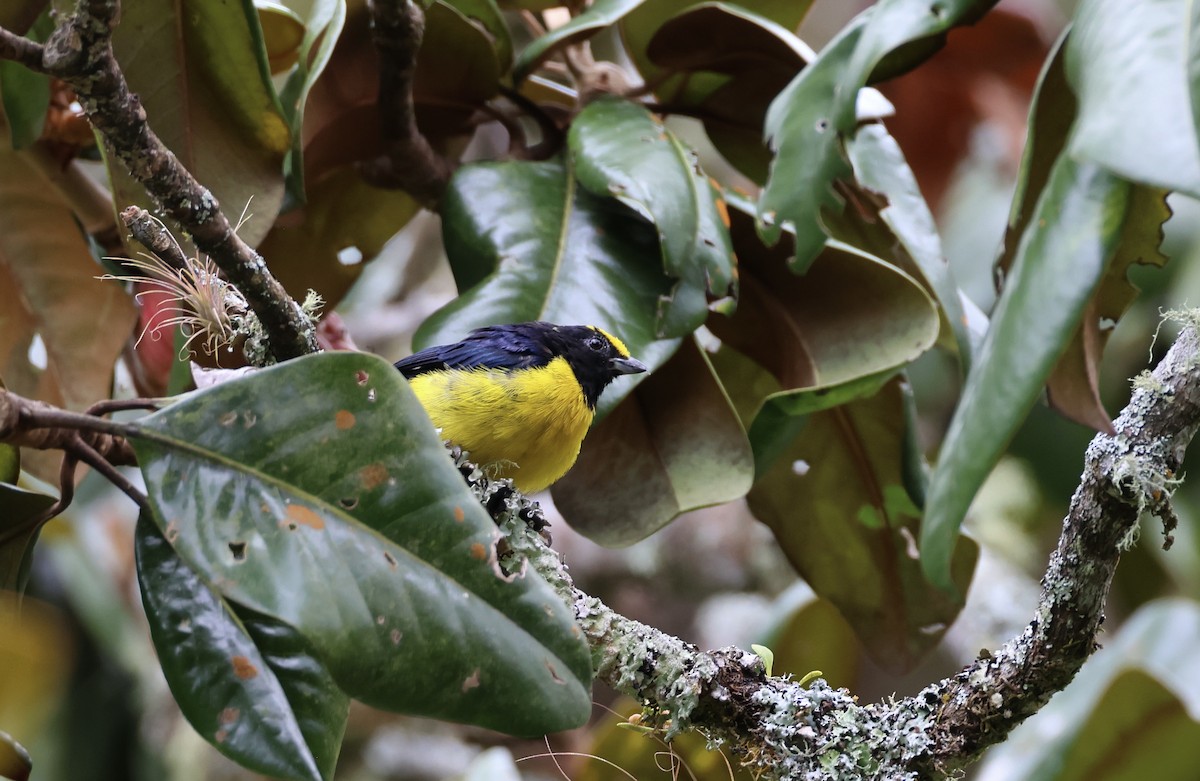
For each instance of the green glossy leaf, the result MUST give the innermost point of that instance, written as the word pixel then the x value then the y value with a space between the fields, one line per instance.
pixel 1131 713
pixel 1060 261
pixel 316 494
pixel 527 243
pixel 10 461
pixel 808 156
pixel 1138 725
pixel 833 335
pixel 671 42
pixel 727 81
pixel 840 509
pixel 1051 117
pixel 487 14
pixel 808 122
pixel 599 15
pixel 903 231
pixel 324 244
pixel 1072 385
pixel 458 70
pixel 18 507
pixel 323 23
pixel 675 445
pixel 201 71
pixel 1128 61
pixel 620 149
pixel 249 685
pixel 63 328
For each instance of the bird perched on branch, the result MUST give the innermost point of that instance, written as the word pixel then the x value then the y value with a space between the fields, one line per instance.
pixel 519 398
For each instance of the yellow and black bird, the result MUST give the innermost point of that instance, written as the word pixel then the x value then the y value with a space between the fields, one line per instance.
pixel 519 398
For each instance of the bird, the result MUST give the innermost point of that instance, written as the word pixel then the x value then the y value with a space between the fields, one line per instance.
pixel 519 398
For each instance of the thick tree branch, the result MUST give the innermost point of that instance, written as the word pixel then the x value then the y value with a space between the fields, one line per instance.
pixel 791 732
pixel 79 52
pixel 410 163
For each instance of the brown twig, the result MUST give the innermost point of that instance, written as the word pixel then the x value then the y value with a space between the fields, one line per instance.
pixel 410 163
pixel 79 51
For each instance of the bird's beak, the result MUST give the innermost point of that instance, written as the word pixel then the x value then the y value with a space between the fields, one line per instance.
pixel 626 366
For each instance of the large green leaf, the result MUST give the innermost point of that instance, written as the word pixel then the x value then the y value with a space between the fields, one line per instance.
pixel 620 149
pixel 671 42
pixel 526 243
pixel 808 156
pixel 248 685
pixel 201 71
pixel 1129 63
pixel 840 506
pixel 1071 240
pixel 725 80
pixel 808 121
pixel 316 494
pixel 833 335
pixel 903 231
pixel 1131 713
pixel 599 15
pixel 675 445
pixel 62 328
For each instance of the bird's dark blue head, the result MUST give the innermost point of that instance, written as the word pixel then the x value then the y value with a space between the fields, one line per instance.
pixel 594 355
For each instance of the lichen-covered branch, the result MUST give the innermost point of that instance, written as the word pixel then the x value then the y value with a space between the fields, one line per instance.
pixel 793 732
pixel 410 163
pixel 1127 478
pixel 79 52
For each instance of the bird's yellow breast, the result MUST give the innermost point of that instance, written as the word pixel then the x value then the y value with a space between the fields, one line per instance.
pixel 526 424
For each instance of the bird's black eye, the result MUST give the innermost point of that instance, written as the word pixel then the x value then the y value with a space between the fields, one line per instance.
pixel 595 343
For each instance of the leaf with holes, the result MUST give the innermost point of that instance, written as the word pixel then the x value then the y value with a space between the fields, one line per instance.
pixel 249 685
pixel 808 122
pixel 317 494
pixel 620 149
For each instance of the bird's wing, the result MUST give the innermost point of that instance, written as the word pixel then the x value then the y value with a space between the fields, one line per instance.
pixel 495 347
